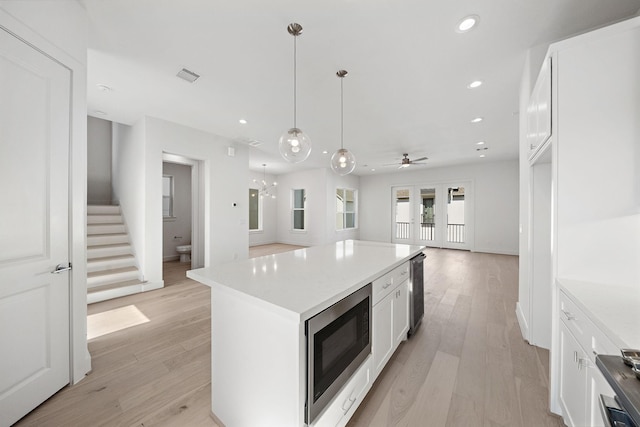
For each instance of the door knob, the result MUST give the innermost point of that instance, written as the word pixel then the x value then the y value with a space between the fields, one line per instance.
pixel 61 268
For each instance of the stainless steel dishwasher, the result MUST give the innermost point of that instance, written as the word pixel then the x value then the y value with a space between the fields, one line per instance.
pixel 416 292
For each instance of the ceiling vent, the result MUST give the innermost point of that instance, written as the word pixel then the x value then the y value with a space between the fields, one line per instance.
pixel 187 75
pixel 250 142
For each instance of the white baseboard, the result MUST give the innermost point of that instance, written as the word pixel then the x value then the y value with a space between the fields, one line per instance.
pixel 170 258
pixel 522 321
pixel 496 251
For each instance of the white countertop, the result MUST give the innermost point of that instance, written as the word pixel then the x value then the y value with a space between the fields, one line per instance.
pixel 614 308
pixel 301 283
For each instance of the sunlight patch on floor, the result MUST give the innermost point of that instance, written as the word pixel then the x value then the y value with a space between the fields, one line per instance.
pixel 107 322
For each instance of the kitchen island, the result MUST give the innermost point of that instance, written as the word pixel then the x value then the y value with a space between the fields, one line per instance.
pixel 258 312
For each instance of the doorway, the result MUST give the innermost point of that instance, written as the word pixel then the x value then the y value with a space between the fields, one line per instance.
pixel 183 209
pixel 436 215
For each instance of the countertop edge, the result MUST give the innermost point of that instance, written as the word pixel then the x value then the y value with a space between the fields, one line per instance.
pixel 612 335
pixel 200 275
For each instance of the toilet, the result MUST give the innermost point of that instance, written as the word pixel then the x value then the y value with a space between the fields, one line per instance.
pixel 185 252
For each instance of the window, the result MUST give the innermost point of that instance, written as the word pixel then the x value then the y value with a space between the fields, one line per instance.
pixel 255 210
pixel 167 196
pixel 299 200
pixel 345 209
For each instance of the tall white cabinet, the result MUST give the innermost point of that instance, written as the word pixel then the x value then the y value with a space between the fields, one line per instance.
pixel 584 208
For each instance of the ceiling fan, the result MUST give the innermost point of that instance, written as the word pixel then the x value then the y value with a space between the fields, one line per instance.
pixel 406 162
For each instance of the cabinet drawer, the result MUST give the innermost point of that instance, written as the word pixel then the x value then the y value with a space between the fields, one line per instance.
pixel 383 285
pixel 575 320
pixel 589 336
pixel 348 399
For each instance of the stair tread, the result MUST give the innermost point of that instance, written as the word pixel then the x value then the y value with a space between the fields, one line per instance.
pixel 115 285
pixel 109 245
pixel 110 258
pixel 112 271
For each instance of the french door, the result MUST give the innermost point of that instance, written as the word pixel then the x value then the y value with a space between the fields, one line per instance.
pixel 436 215
pixel 34 238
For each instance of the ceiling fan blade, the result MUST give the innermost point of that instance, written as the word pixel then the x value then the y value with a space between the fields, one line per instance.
pixel 420 159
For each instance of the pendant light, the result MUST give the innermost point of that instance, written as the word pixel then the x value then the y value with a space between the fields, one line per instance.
pixel 266 190
pixel 294 145
pixel 343 162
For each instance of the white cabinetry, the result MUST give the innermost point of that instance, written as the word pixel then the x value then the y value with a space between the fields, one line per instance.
pixel 581 383
pixel 390 315
pixel 344 405
pixel 539 111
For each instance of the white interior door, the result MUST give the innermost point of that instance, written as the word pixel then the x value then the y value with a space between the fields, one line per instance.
pixel 34 164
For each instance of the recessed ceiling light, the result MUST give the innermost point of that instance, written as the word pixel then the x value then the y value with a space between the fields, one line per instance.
pixel 325 152
pixel 103 88
pixel 480 143
pixel 373 170
pixel 474 84
pixel 482 156
pixel 467 23
pixel 242 121
pixel 477 120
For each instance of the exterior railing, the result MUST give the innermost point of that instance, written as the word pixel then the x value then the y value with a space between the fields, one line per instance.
pixel 403 230
pixel 427 231
pixel 455 232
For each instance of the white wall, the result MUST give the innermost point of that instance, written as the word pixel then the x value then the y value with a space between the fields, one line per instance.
pixel 495 185
pixel 598 186
pixel 269 232
pixel 98 161
pixel 59 28
pixel 225 203
pixel 128 179
pixel 320 216
pixel 138 186
pixel 177 230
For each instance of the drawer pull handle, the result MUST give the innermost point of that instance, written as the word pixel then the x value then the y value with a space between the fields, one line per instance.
pixel 404 273
pixel 583 363
pixel 350 403
pixel 568 315
pixel 387 285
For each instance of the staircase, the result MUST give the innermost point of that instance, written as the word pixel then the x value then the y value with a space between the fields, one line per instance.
pixel 111 265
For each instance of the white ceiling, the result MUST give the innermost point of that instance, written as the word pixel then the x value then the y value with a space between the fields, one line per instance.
pixel 408 71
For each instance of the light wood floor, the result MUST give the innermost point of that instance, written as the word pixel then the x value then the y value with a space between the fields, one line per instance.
pixel 467 365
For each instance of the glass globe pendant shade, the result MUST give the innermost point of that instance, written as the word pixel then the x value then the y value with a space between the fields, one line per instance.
pixel 294 146
pixel 343 162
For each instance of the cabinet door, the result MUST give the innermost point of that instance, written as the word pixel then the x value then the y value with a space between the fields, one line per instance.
pixel 573 379
pixel 543 101
pixel 596 385
pixel 382 345
pixel 401 313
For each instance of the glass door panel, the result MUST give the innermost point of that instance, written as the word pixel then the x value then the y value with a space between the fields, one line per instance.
pixel 427 215
pixel 455 215
pixel 403 219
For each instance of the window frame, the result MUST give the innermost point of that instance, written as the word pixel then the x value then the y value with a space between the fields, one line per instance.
pixel 171 196
pixel 260 228
pixel 294 209
pixel 345 212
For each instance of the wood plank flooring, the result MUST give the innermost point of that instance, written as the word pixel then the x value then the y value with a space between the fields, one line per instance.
pixel 467 364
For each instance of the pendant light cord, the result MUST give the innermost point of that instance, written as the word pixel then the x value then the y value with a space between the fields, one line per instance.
pixel 341 113
pixel 295 107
